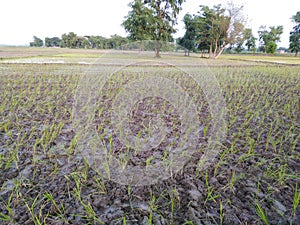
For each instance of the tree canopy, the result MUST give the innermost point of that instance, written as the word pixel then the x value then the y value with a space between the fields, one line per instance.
pixel 72 40
pixel 152 20
pixel 269 38
pixel 214 29
pixel 37 42
pixel 188 41
pixel 295 35
pixel 250 40
pixel 52 42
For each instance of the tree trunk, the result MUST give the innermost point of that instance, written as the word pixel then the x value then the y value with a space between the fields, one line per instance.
pixel 296 54
pixel 157 49
pixel 216 48
pixel 219 53
pixel 157 52
pixel 210 51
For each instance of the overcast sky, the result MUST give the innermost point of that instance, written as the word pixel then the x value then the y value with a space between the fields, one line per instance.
pixel 21 19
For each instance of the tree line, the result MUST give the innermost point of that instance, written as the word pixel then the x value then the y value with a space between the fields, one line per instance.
pixel 72 40
pixel 212 30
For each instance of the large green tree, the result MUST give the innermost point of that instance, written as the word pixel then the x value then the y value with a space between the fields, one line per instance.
pixel 52 42
pixel 97 42
pixel 269 37
pixel 72 40
pixel 37 42
pixel 250 40
pixel 220 27
pixel 188 41
pixel 152 20
pixel 69 40
pixel 116 41
pixel 139 22
pixel 247 39
pixel 295 35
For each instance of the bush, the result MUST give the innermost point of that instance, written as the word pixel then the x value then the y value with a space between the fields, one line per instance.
pixel 271 47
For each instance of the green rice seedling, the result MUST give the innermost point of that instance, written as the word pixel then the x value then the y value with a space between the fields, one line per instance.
pixel 36 219
pixel 210 190
pixel 123 159
pixel 7 131
pixel 9 216
pixel 205 130
pixel 88 209
pixel 100 184
pixel 84 173
pixel 232 181
pixel 221 213
pixel 221 161
pixel 59 208
pixel 5 218
pixel 188 223
pixel 111 144
pixel 153 208
pixel 148 161
pixel 18 183
pixel 49 135
pixel 296 200
pixel 251 142
pixel 174 200
pixel 91 214
pixel 282 174
pixel 277 172
pixel 77 188
pixel 2 160
pixel 124 220
pixel 55 169
pixel 129 193
pixel 72 147
pixel 261 213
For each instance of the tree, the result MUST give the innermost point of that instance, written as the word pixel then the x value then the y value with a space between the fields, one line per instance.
pixel 152 20
pixel 139 22
pixel 271 47
pixel 116 41
pixel 220 27
pixel 188 40
pixel 195 37
pixel 98 42
pixel 69 40
pixel 265 36
pixel 247 37
pixel 85 43
pixel 250 40
pixel 212 24
pixel 295 35
pixel 52 42
pixel 81 42
pixel 294 42
pixel 37 42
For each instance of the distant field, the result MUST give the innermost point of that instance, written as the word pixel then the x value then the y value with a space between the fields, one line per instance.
pixel 280 58
pixel 53 109
pixel 30 54
pixel 20 52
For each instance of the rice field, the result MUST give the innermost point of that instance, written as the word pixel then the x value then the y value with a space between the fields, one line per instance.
pixel 94 137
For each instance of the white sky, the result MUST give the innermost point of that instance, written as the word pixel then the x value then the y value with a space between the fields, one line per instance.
pixel 21 19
